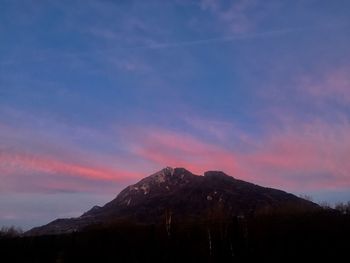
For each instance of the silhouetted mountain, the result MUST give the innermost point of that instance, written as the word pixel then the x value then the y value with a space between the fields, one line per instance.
pixel 183 196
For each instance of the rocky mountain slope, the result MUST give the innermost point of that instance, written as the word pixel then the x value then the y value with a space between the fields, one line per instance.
pixel 181 195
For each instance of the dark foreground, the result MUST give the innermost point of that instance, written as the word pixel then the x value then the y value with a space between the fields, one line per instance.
pixel 274 237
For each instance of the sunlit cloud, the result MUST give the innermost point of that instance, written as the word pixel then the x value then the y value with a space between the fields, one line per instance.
pixel 329 85
pixel 167 148
pixel 27 172
pixel 308 156
pixel 21 161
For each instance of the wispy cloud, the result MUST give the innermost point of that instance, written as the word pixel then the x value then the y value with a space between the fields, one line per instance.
pixel 234 14
pixel 169 148
pixel 21 163
pixel 38 153
pixel 330 85
pixel 29 172
pixel 235 37
pixel 306 157
pixel 309 156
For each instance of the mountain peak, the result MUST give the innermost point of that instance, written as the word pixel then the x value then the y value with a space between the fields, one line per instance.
pixel 216 174
pixel 186 195
pixel 168 173
pixel 162 175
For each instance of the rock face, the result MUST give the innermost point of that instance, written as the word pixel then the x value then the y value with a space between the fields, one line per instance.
pixel 183 195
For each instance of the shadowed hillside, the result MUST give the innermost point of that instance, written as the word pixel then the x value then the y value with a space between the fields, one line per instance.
pixel 183 196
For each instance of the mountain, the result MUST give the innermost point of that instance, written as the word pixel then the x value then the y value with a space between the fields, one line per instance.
pixel 183 196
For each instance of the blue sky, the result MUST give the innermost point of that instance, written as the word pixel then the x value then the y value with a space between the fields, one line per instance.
pixel 95 95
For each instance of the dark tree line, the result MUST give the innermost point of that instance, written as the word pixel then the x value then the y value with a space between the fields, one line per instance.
pixel 269 236
pixel 10 232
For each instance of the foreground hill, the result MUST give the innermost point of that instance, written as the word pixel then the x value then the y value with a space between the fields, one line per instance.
pixel 177 195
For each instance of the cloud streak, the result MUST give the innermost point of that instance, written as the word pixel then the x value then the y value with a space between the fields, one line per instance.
pixel 236 15
pixel 333 85
pixel 308 157
pixel 167 148
pixel 28 171
pixel 29 162
pixel 225 39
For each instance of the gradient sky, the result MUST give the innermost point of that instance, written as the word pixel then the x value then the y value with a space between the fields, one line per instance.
pixel 96 94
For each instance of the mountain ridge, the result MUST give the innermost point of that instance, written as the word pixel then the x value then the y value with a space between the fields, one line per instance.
pixel 184 195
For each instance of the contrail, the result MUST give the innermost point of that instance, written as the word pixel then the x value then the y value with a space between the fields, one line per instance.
pixel 224 39
pixel 221 39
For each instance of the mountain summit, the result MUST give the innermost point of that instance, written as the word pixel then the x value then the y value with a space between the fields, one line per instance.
pixel 185 196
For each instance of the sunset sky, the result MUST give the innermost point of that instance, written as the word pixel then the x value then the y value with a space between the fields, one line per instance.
pixel 96 94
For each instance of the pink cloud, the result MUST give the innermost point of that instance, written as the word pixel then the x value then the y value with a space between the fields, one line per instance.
pixel 299 156
pixel 166 148
pixel 306 157
pixel 331 85
pixel 17 169
pixel 50 165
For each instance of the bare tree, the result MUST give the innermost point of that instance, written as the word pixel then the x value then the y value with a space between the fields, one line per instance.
pixel 343 208
pixel 168 215
pixel 9 232
pixel 325 205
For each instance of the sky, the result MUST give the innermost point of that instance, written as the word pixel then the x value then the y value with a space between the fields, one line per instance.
pixel 97 94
